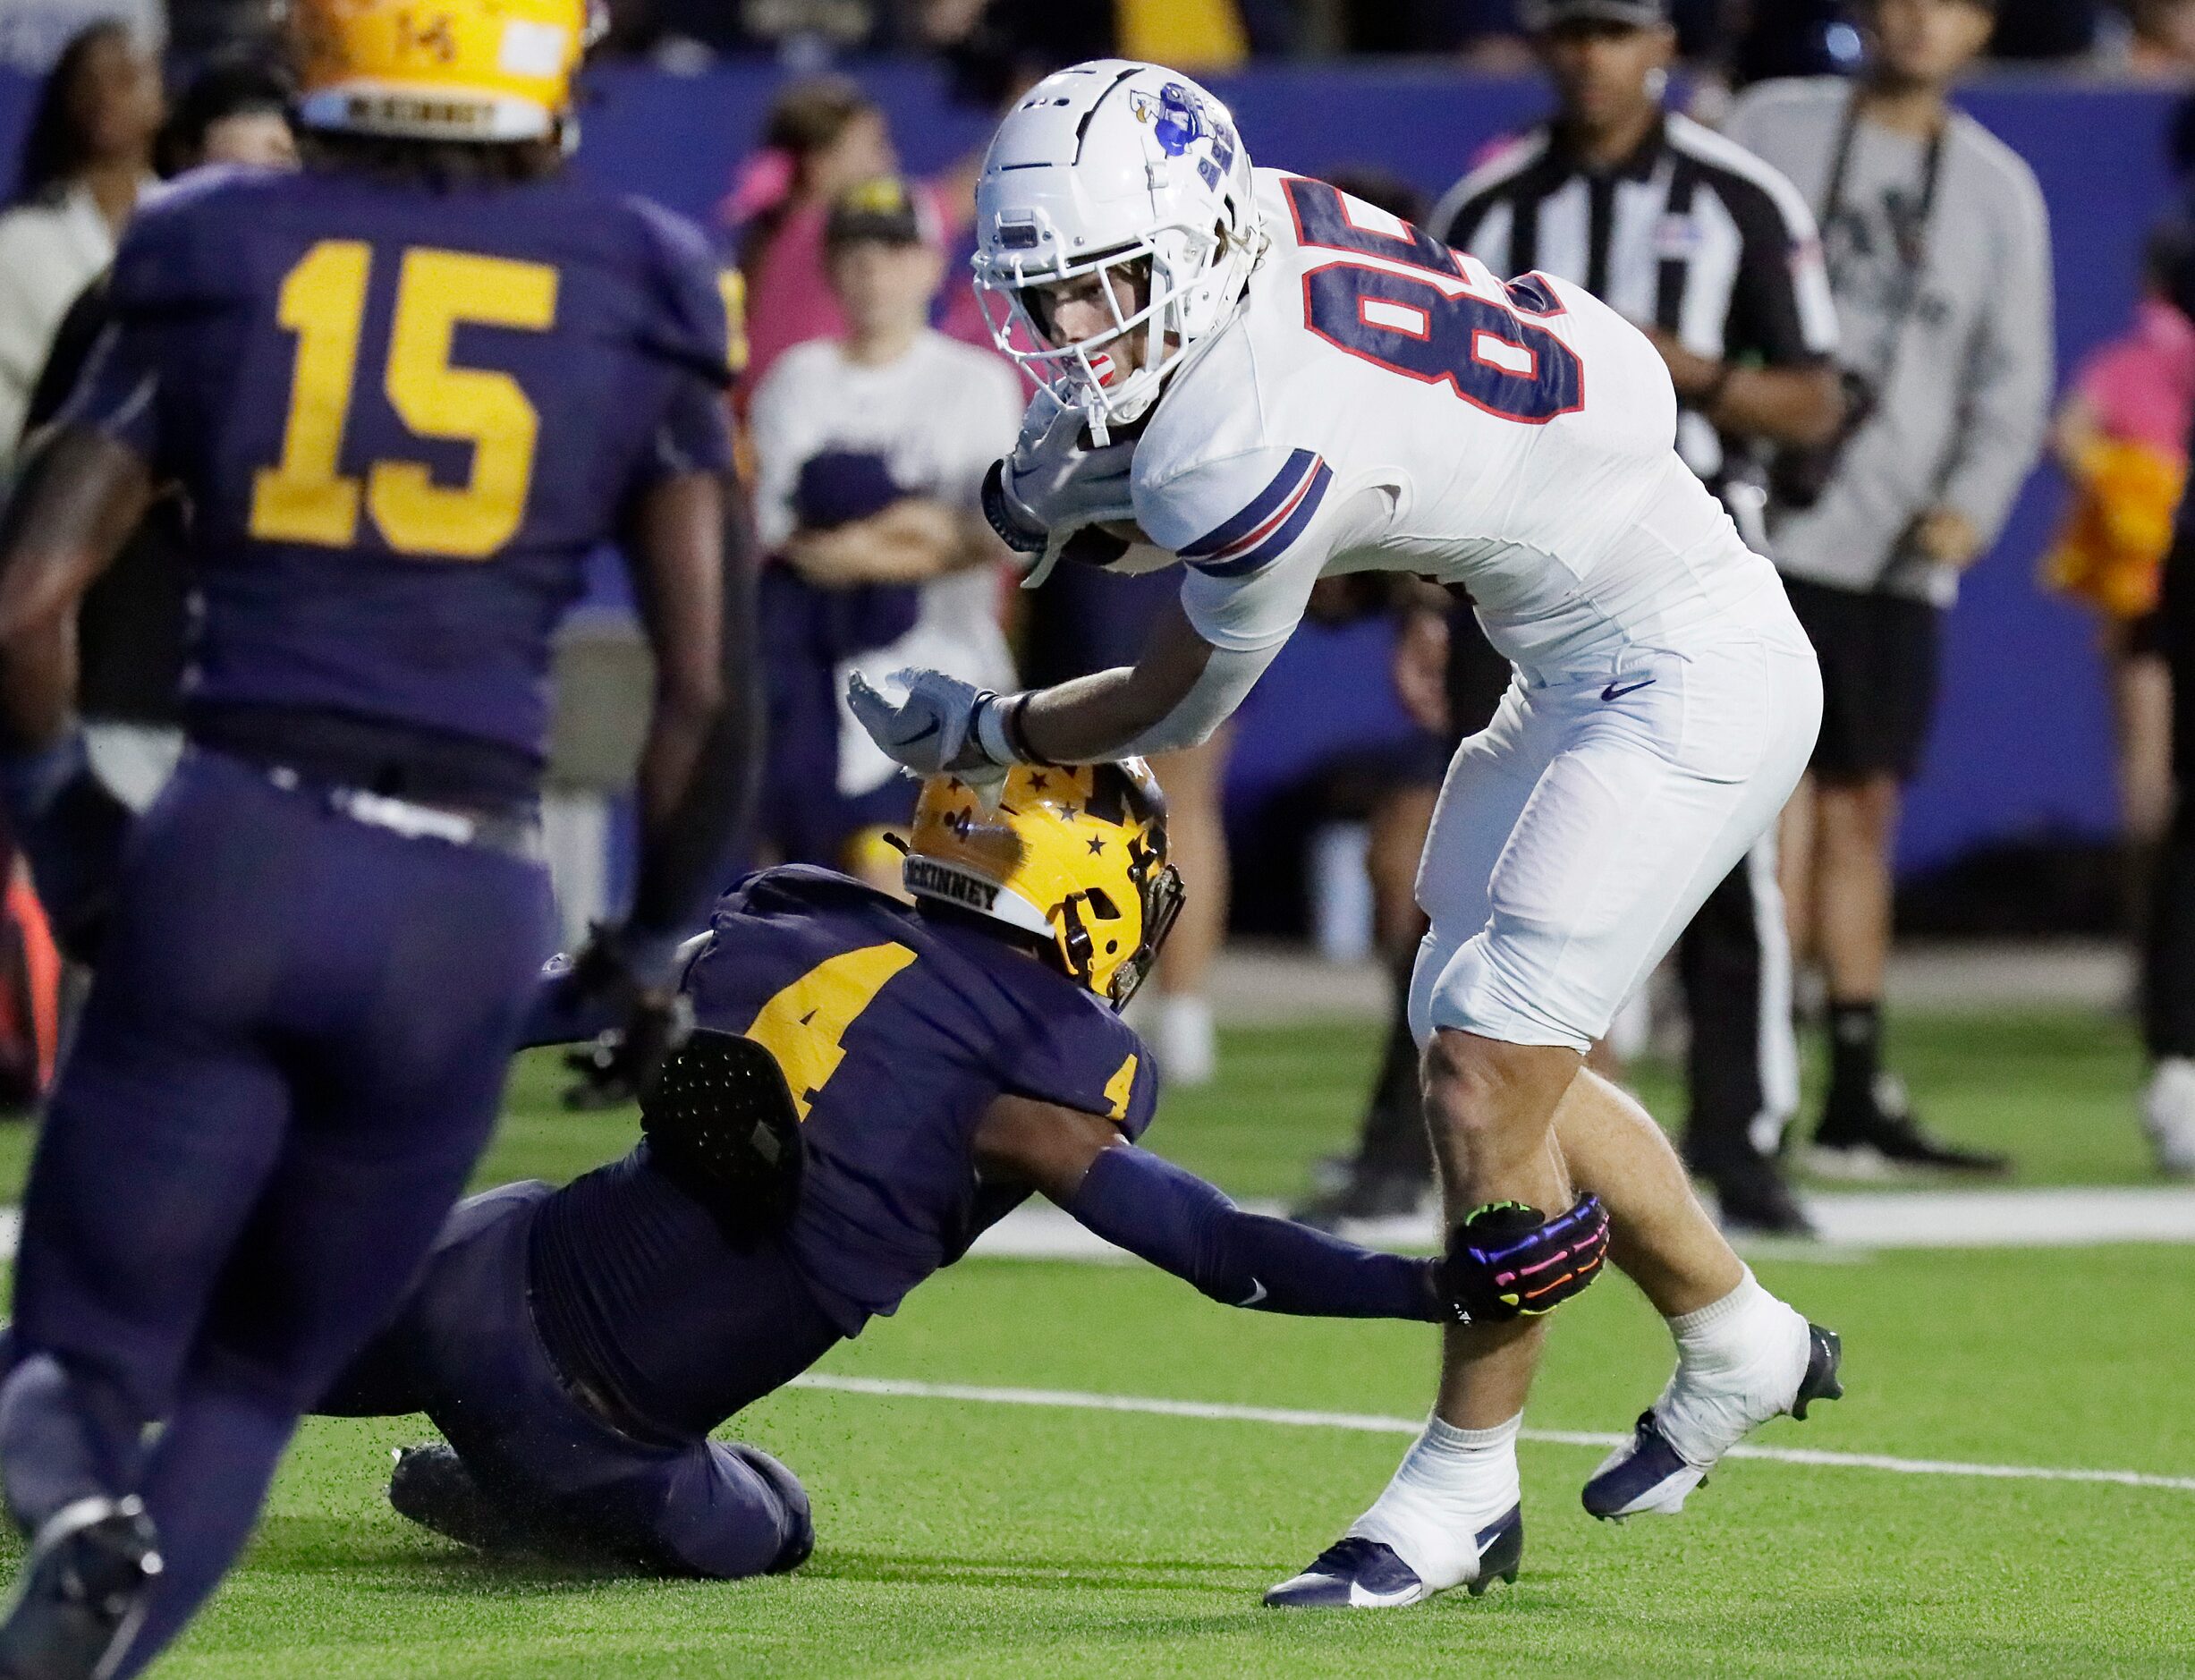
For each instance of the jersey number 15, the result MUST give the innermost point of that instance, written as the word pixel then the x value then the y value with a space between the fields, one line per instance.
pixel 304 497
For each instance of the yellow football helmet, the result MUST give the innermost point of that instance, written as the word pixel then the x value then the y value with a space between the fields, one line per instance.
pixel 1074 855
pixel 461 70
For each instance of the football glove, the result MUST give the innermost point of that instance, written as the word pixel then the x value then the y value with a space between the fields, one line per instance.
pixel 632 979
pixel 934 731
pixel 1509 1261
pixel 72 829
pixel 1056 478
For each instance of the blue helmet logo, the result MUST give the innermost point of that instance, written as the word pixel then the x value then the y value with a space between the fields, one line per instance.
pixel 1181 121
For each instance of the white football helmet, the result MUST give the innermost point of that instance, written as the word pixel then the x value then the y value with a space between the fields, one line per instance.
pixel 1101 165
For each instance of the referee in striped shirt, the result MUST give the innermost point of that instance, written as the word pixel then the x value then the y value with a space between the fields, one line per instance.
pixel 1715 256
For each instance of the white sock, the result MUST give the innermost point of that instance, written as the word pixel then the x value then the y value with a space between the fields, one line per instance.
pixel 1185 1041
pixel 1451 1484
pixel 1739 1360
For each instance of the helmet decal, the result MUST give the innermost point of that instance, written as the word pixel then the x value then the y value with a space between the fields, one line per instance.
pixel 1075 856
pixel 1176 116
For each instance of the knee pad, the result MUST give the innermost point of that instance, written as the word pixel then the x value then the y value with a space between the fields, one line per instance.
pixel 1433 955
pixel 1472 993
pixel 797 1521
pixel 1509 1261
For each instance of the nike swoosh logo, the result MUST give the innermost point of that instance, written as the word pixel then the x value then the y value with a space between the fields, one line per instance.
pixel 1257 1293
pixel 907 740
pixel 1362 1597
pixel 1612 692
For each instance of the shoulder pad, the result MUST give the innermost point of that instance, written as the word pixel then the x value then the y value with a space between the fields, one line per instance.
pixel 690 323
pixel 1234 516
pixel 178 247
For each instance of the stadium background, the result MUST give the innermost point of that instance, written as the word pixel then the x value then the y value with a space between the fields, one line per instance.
pixel 2022 755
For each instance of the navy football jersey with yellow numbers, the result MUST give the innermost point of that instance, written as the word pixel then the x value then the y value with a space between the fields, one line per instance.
pixel 895 1032
pixel 402 416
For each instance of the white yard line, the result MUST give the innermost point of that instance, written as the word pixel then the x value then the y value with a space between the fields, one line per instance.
pixel 1076 1400
pixel 1853 1224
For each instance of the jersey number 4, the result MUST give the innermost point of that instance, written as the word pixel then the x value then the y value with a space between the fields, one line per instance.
pixel 1444 321
pixel 803 1024
pixel 305 498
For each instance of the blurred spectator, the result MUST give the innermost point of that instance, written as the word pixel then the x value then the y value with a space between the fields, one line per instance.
pixel 33 33
pixel 134 623
pixel 823 135
pixel 2121 436
pixel 2158 44
pixel 86 155
pixel 871 447
pixel 234 111
pixel 1939 256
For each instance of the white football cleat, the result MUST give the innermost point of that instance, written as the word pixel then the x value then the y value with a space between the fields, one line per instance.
pixel 1357 1574
pixel 1650 1474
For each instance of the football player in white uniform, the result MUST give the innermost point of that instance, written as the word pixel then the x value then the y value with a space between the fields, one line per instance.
pixel 1272 382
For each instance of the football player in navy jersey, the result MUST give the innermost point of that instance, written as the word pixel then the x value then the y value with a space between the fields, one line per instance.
pixel 939 1063
pixel 405 392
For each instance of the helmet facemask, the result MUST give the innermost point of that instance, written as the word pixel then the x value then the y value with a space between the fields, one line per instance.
pixel 1189 279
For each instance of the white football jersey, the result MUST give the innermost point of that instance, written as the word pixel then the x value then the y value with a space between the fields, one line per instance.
pixel 1516 438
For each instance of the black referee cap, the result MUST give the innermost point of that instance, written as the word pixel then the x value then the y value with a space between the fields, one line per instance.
pixel 1542 15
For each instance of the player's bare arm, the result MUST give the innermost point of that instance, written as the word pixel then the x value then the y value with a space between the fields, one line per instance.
pixel 77 500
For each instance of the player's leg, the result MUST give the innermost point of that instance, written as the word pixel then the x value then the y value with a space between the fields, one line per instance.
pixel 721 1510
pixel 1742 1355
pixel 1887 670
pixel 1447 1515
pixel 1593 874
pixel 404 1022
pixel 166 1124
pixel 404 1368
pixel 1741 1073
pixel 1182 1033
pixel 1389 1170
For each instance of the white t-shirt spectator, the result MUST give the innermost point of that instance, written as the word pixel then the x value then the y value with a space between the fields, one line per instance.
pixel 939 415
pixel 49 252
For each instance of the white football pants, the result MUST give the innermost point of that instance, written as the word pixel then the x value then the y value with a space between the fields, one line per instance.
pixel 1580 831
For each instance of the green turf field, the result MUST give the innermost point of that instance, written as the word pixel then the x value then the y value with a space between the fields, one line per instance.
pixel 964 1538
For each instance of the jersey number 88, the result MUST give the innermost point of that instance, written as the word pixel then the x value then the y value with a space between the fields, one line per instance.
pixel 1436 328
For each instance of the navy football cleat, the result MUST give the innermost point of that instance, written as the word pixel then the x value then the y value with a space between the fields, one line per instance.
pixel 83 1592
pixel 1356 1573
pixel 1646 1473
pixel 432 1486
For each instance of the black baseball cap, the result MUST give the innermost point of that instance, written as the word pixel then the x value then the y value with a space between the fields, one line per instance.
pixel 1539 16
pixel 884 209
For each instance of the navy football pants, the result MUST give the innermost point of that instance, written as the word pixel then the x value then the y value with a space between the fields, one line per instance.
pixel 292 1054
pixel 466 1353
